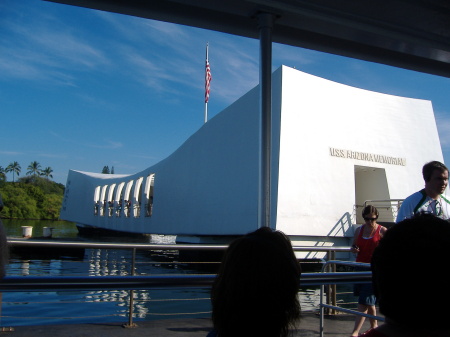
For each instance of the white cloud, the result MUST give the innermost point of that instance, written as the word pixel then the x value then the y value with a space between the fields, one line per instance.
pixel 11 153
pixel 33 49
pixel 103 144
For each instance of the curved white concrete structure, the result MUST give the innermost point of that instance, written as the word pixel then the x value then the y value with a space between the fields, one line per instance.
pixel 334 147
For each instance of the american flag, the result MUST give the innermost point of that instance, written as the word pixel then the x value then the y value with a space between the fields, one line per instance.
pixel 208 79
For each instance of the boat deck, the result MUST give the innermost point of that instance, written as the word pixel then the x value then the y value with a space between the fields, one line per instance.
pixel 309 326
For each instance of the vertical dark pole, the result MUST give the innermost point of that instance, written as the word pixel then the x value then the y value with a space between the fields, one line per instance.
pixel 131 306
pixel 265 24
pixel 333 286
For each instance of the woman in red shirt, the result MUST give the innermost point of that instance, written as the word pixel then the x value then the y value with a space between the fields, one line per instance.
pixel 366 239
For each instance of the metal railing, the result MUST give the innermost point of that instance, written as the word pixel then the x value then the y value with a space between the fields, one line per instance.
pixel 194 247
pixel 42 283
pixel 136 282
pixel 75 283
pixel 387 208
pixel 357 277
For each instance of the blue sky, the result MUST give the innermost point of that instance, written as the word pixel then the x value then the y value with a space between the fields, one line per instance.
pixel 81 89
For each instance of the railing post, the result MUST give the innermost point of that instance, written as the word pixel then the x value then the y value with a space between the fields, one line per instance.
pixel 327 289
pixel 322 310
pixel 131 306
pixel 333 286
pixel 328 311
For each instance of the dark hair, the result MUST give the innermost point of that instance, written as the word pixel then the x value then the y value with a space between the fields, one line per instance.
pixel 369 209
pixel 429 168
pixel 256 289
pixel 407 265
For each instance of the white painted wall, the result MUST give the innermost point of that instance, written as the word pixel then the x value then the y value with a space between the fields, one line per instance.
pixel 316 189
pixel 208 186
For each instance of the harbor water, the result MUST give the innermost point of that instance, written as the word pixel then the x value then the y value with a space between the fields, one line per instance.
pixel 73 307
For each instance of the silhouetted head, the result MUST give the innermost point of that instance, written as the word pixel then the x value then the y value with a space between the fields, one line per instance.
pixel 410 271
pixel 256 290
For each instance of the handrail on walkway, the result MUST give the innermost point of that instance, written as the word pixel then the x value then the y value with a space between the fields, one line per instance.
pixel 39 283
pixel 42 283
pixel 101 245
pixel 366 275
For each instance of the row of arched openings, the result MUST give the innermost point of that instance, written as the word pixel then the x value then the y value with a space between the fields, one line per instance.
pixel 126 199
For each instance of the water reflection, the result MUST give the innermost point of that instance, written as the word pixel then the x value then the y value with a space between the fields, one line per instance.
pixel 38 308
pixel 101 305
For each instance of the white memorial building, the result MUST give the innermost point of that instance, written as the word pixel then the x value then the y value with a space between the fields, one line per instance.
pixel 334 147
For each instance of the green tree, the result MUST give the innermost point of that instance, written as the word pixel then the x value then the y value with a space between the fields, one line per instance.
pixel 18 204
pixel 51 206
pixel 47 186
pixel 2 174
pixel 112 169
pixel 105 169
pixel 47 172
pixel 34 169
pixel 35 192
pixel 31 199
pixel 14 168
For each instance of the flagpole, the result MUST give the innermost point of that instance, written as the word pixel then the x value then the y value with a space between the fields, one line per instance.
pixel 207 80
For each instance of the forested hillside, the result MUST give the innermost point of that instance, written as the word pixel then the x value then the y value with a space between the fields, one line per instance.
pixel 31 197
